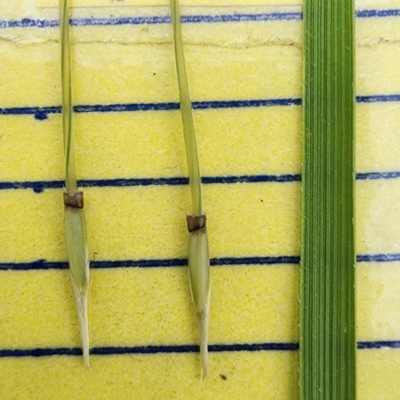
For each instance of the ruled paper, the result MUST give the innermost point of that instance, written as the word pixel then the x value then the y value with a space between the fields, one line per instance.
pixel 244 70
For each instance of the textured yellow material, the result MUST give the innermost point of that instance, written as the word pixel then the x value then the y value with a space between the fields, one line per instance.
pixel 116 3
pixel 152 306
pixel 120 221
pixel 377 318
pixel 276 302
pixel 108 3
pixel 155 377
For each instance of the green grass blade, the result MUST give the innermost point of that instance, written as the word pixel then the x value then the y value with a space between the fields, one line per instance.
pixel 327 327
pixel 199 260
pixel 186 112
pixel 66 89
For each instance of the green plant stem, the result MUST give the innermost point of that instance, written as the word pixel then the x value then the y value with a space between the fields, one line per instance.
pixel 186 112
pixel 327 319
pixel 66 89
pixel 199 260
pixel 74 218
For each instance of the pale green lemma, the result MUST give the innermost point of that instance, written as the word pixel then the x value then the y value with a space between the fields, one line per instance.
pixel 199 280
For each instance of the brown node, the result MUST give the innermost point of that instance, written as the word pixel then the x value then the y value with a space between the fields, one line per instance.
pixel 196 222
pixel 75 200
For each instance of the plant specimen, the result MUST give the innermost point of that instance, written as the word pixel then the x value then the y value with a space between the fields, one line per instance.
pixel 74 217
pixel 327 318
pixel 199 261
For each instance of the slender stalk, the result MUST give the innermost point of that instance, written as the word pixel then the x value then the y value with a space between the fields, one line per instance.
pixel 74 218
pixel 66 86
pixel 199 260
pixel 327 318
pixel 186 112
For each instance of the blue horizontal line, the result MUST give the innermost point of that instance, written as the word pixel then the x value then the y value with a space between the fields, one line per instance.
pixel 203 105
pixel 42 113
pixel 40 186
pixel 180 262
pixel 188 19
pixel 250 179
pixel 377 13
pixel 37 186
pixel 391 344
pixel 180 349
pixel 377 175
pixel 197 105
pixel 33 265
pixel 150 263
pixel 378 257
pixel 28 23
pixel 378 98
pixel 255 260
pixel 156 20
pixel 177 349
pixel 126 107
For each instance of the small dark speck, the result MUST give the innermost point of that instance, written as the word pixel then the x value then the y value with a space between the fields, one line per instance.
pixel 38 189
pixel 41 115
pixel 262 201
pixel 223 377
pixel 154 73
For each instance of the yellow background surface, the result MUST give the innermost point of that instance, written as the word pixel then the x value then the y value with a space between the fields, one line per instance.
pixel 130 307
pixel 120 3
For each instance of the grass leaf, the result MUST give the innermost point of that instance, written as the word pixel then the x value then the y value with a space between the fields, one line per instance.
pixel 327 327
